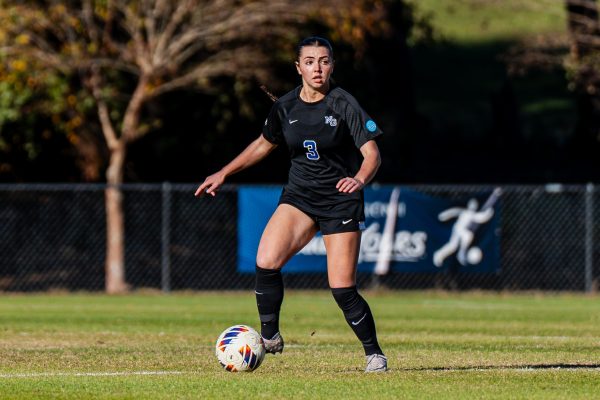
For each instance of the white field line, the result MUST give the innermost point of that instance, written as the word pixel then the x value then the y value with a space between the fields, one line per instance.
pixel 76 374
pixel 523 369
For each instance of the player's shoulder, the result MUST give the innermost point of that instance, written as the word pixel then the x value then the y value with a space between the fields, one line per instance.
pixel 342 98
pixel 337 92
pixel 289 98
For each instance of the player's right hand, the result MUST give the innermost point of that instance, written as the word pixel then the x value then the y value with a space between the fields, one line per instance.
pixel 210 185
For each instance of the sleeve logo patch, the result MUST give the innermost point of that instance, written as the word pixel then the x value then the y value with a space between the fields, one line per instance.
pixel 371 125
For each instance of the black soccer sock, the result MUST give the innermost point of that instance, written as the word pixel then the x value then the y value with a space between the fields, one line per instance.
pixel 359 317
pixel 269 296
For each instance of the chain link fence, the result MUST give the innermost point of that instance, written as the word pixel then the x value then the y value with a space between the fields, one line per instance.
pixel 53 237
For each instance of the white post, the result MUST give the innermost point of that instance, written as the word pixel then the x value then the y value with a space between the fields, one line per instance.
pixel 166 238
pixel 589 237
pixel 386 247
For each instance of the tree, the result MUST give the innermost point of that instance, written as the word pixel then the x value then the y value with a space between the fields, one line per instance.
pixel 583 68
pixel 35 103
pixel 118 55
pixel 577 54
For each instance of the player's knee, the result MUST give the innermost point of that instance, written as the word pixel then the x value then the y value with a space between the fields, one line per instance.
pixel 268 261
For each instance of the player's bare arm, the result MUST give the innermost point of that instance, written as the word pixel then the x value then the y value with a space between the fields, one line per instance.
pixel 255 152
pixel 368 169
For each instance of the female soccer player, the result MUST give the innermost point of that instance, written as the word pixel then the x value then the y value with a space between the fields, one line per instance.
pixel 333 156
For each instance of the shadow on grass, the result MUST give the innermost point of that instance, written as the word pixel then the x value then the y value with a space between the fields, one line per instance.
pixel 507 367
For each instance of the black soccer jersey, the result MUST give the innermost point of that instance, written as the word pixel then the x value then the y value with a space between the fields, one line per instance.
pixel 323 139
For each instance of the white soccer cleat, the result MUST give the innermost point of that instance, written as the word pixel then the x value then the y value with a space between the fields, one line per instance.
pixel 376 363
pixel 274 345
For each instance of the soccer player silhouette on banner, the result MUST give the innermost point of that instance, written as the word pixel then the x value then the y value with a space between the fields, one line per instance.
pixel 333 153
pixel 463 233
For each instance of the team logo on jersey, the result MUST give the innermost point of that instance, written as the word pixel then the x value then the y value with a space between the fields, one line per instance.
pixel 329 120
pixel 371 125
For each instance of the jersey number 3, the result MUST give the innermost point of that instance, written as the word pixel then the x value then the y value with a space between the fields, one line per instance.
pixel 311 150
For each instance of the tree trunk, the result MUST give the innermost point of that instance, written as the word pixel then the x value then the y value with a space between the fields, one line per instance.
pixel 115 220
pixel 583 27
pixel 115 224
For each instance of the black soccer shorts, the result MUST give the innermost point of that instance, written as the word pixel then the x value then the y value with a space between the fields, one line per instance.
pixel 349 219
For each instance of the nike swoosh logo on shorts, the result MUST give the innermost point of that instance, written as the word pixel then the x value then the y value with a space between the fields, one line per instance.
pixel 291 122
pixel 347 221
pixel 358 322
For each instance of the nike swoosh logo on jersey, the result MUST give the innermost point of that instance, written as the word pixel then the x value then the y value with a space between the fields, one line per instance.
pixel 358 322
pixel 347 221
pixel 292 121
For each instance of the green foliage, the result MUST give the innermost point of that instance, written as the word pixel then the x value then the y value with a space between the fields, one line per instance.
pixel 30 95
pixel 11 102
pixel 21 96
pixel 443 346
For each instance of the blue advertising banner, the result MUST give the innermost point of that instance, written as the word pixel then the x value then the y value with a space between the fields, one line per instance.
pixel 406 231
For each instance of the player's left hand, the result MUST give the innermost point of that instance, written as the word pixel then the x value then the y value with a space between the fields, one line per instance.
pixel 349 185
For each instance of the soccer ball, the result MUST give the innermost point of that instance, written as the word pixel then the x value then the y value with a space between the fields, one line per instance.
pixel 240 348
pixel 474 255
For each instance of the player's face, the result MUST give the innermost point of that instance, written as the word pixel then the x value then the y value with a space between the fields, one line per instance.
pixel 315 66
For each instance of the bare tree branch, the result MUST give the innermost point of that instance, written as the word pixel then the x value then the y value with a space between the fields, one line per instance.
pixel 131 120
pixel 167 34
pixel 108 130
pixel 223 63
pixel 88 18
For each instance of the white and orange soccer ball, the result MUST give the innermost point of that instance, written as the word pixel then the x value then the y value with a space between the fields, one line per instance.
pixel 240 348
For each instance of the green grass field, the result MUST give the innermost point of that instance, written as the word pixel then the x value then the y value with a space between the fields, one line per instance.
pixel 439 345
